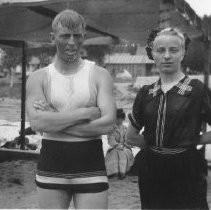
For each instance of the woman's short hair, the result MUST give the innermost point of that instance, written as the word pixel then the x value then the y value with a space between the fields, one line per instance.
pixel 168 31
pixel 69 19
pixel 120 114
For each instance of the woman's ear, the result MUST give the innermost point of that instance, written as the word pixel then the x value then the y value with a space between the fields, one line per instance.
pixel 52 37
pixel 183 54
pixel 85 35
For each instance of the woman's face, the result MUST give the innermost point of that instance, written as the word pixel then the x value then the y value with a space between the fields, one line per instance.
pixel 168 52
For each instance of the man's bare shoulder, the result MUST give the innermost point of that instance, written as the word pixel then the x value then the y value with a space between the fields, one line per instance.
pixel 100 72
pixel 102 78
pixel 38 74
pixel 37 79
pixel 99 68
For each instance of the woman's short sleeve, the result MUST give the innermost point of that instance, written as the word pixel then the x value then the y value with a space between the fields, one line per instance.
pixel 136 116
pixel 206 107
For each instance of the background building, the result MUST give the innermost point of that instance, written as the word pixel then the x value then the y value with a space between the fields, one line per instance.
pixel 136 65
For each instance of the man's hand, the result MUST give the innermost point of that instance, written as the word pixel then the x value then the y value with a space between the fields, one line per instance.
pixel 41 105
pixel 93 112
pixel 105 119
pixel 43 116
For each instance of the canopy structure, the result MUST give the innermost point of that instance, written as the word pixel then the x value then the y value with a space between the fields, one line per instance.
pixel 27 21
pixel 125 19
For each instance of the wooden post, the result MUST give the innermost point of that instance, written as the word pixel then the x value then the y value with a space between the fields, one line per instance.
pixel 23 96
pixel 207 43
pixel 207 64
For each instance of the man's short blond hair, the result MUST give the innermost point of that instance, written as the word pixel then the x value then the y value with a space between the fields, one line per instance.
pixel 68 19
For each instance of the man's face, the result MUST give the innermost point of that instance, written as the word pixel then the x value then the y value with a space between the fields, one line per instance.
pixel 168 53
pixel 68 43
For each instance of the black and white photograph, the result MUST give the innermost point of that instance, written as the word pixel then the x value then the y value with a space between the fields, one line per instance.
pixel 105 104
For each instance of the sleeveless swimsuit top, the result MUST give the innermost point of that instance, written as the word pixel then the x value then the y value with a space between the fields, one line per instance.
pixel 70 92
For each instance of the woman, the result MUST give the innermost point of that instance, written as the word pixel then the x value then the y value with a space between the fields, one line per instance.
pixel 119 157
pixel 171 111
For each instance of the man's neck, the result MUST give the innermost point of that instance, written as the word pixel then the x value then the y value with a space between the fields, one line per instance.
pixel 67 67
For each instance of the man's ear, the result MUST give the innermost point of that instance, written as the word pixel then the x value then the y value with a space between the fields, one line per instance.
pixel 52 37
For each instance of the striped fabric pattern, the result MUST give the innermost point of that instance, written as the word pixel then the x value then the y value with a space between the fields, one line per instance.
pixel 71 176
pixel 184 86
pixel 73 180
pixel 167 151
pixel 159 120
pixel 163 120
pixel 155 88
pixel 181 87
pixel 78 166
pixel 133 121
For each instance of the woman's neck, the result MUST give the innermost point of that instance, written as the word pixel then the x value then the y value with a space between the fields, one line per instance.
pixel 170 78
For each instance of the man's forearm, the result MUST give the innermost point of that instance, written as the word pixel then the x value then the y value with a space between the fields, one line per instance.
pixel 56 121
pixel 93 128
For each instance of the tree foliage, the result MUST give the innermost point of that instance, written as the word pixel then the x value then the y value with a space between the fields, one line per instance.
pixel 197 53
pixel 97 52
pixel 196 56
pixel 12 57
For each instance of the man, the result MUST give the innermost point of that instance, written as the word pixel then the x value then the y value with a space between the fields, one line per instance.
pixel 71 101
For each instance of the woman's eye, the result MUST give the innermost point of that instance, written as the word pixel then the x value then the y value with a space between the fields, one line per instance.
pixel 160 50
pixel 174 50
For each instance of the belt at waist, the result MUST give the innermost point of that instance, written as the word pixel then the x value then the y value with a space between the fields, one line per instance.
pixel 66 137
pixel 168 151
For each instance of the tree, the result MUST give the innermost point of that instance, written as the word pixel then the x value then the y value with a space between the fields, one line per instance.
pixel 195 57
pixel 197 53
pixel 97 52
pixel 12 58
pixel 207 30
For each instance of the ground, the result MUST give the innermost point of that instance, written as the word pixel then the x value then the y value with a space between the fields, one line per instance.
pixel 18 188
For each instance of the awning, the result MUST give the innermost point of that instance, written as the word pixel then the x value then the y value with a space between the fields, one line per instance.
pixel 127 19
pixel 127 59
